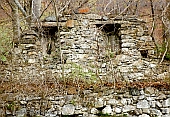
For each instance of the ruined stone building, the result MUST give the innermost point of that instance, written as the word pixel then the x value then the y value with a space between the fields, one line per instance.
pixel 91 47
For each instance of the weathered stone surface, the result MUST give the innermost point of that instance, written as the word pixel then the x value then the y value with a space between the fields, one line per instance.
pixel 87 50
pixel 143 104
pixel 128 108
pixel 144 115
pixel 94 111
pixel 117 110
pixel 156 112
pixel 68 109
pixel 166 103
pixel 112 102
pixel 165 110
pixel 107 110
pixel 99 103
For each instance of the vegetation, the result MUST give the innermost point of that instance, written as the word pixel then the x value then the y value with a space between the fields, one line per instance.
pixel 5 42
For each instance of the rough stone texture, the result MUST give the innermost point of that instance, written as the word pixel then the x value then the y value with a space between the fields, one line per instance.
pixel 84 50
pixel 107 110
pixel 68 109
pixel 144 115
pixel 143 104
pixel 166 103
pixel 82 44
pixel 50 106
pixel 99 103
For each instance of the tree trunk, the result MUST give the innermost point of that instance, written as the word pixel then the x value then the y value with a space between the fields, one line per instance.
pixel 168 18
pixel 15 22
pixel 36 9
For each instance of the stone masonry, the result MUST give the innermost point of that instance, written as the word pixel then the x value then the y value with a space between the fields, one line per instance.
pixel 95 46
pixel 148 102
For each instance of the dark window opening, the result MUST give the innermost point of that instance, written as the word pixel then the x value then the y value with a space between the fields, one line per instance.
pixel 113 34
pixel 50 35
pixel 144 53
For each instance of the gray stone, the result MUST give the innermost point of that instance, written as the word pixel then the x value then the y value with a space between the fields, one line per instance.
pixel 50 19
pixel 165 110
pixel 99 103
pixel 68 98
pixel 21 112
pixel 107 110
pixel 50 115
pixel 158 104
pixel 77 112
pixel 123 101
pixel 153 104
pixel 68 109
pixel 94 111
pixel 152 65
pixel 144 115
pixel 142 92
pixel 90 115
pixel 156 112
pixel 167 115
pixel 146 38
pixel 145 110
pixel 166 103
pixel 105 18
pixel 128 108
pixel 128 45
pixel 93 16
pixel 143 104
pixel 84 109
pixel 118 110
pixel 112 102
pixel 17 50
pixel 141 97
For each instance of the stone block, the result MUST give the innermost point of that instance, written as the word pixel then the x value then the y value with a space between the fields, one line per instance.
pixel 112 102
pixel 99 103
pixel 143 104
pixel 68 109
pixel 128 108
pixel 166 103
pixel 107 110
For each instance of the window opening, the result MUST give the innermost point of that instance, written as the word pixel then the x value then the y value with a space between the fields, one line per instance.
pixel 112 32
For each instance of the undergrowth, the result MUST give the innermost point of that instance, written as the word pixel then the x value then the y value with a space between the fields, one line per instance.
pixel 5 42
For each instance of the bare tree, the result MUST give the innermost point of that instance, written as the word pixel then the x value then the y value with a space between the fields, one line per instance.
pixel 36 9
pixel 166 24
pixel 15 21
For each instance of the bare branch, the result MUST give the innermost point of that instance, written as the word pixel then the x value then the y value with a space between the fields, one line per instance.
pixel 20 8
pixel 45 9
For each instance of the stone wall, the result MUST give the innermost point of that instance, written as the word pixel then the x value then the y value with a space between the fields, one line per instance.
pixel 81 51
pixel 148 102
pixel 82 44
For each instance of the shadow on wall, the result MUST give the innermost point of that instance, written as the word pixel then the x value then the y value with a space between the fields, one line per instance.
pixel 112 32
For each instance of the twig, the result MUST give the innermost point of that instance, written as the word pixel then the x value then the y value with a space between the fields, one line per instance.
pixel 45 9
